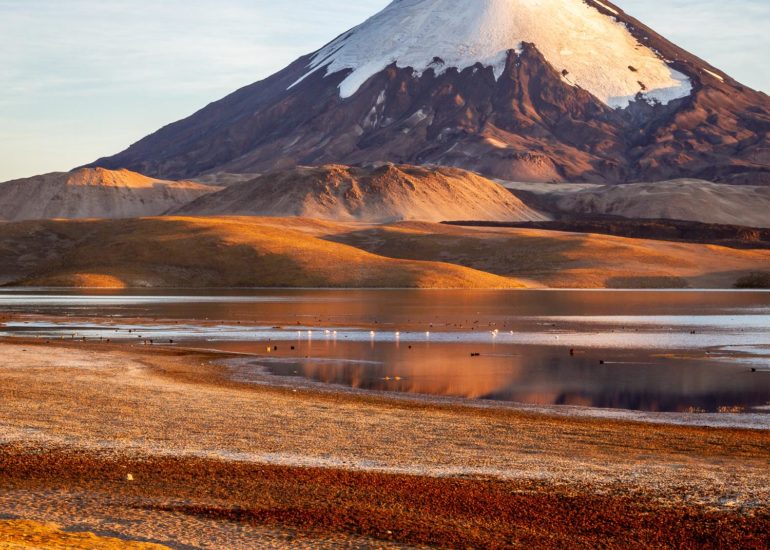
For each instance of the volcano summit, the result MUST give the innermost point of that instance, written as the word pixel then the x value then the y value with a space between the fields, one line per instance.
pixel 546 90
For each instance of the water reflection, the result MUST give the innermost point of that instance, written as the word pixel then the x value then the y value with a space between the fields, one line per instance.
pixel 625 379
pixel 654 351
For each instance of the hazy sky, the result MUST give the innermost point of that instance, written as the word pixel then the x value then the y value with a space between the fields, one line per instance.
pixel 80 79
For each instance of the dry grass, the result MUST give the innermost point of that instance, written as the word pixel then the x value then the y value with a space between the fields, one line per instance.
pixel 77 418
pixel 201 252
pixel 297 252
pixel 563 260
pixel 22 535
pixel 754 280
pixel 335 504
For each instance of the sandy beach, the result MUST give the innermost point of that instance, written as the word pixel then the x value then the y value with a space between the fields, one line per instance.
pixel 218 463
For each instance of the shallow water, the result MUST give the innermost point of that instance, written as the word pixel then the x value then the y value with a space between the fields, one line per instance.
pixel 653 351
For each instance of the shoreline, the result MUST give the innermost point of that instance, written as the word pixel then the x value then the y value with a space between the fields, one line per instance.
pixel 23 288
pixel 173 419
pixel 749 421
pixel 231 360
pixel 752 418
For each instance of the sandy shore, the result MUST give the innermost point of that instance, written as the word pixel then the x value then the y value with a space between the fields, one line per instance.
pixel 220 463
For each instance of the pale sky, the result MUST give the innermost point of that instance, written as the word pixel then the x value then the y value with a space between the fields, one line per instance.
pixel 80 79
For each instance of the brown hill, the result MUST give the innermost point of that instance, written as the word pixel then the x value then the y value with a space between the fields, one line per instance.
pixel 94 193
pixel 293 252
pixel 682 199
pixel 210 252
pixel 380 194
pixel 563 259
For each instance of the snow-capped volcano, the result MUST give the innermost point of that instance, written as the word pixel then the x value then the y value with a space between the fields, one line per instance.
pixel 590 50
pixel 529 90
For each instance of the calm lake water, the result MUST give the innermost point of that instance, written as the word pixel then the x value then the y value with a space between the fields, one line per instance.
pixel 653 351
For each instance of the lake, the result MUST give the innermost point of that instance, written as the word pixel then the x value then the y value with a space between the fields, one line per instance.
pixel 683 351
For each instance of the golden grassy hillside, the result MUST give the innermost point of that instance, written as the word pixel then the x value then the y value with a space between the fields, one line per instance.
pixel 559 259
pixel 297 252
pixel 210 252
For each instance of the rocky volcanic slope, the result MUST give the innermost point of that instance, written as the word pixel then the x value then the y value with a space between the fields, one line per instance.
pixel 94 193
pixel 555 90
pixel 380 194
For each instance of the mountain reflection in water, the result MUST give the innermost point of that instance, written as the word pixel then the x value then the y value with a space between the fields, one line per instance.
pixel 653 351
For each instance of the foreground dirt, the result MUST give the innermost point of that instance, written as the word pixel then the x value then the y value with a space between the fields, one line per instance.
pixel 18 534
pixel 301 252
pixel 326 505
pixel 214 463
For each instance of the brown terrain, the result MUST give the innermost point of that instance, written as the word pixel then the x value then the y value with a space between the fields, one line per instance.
pixel 564 259
pixel 385 193
pixel 212 252
pixel 107 446
pixel 528 125
pixel 683 199
pixel 94 193
pixel 161 446
pixel 735 236
pixel 295 252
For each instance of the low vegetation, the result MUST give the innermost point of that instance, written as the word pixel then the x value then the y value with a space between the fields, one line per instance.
pixel 754 280
pixel 187 252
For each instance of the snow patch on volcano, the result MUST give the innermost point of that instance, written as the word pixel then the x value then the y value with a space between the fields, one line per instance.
pixel 597 52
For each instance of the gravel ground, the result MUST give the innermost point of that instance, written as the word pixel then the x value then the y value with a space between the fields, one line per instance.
pixel 112 404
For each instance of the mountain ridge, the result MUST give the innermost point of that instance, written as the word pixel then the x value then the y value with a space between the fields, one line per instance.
pixel 527 124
